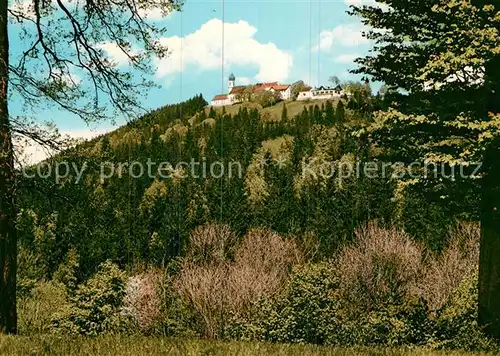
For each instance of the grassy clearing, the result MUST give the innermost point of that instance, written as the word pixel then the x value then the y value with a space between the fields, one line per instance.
pixel 138 346
pixel 274 112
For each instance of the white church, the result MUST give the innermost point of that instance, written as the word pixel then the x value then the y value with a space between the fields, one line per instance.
pixel 234 96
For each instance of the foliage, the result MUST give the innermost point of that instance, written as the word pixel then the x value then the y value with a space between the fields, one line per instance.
pixel 266 98
pixel 67 273
pixel 457 326
pixel 383 267
pixel 222 289
pixel 36 310
pixel 142 301
pixel 305 312
pixel 96 306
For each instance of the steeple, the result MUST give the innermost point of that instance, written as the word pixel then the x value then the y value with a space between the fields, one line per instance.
pixel 232 80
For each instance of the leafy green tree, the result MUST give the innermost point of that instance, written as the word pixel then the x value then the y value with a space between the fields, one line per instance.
pixel 445 56
pixel 297 87
pixel 266 98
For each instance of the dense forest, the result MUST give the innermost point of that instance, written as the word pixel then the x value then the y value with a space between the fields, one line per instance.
pixel 189 251
pixel 148 219
pixel 368 220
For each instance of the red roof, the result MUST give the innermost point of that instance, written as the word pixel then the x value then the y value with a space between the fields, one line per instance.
pixel 237 89
pixel 220 97
pixel 264 86
pixel 280 87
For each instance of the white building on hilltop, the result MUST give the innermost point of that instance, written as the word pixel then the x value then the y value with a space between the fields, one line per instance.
pixel 236 93
pixel 322 93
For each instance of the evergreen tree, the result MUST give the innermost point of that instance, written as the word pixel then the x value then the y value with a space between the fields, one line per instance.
pixel 284 113
pixel 340 113
pixel 329 113
pixel 212 114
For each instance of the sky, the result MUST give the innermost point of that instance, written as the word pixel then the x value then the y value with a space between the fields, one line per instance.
pixel 264 40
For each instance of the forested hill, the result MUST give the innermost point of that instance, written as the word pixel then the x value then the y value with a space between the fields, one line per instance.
pixel 133 218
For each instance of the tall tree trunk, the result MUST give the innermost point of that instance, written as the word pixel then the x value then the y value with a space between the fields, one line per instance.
pixel 489 262
pixel 8 234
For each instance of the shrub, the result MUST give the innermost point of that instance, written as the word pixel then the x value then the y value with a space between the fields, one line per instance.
pixel 262 264
pixel 457 326
pixel 96 305
pixel 211 243
pixel 29 272
pixel 381 268
pixel 445 271
pixel 220 291
pixel 403 324
pixel 307 311
pixel 67 271
pixel 142 303
pixel 35 310
pixel 312 310
pixel 266 98
pixel 177 317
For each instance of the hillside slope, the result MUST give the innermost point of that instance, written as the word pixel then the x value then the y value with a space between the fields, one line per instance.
pixel 115 211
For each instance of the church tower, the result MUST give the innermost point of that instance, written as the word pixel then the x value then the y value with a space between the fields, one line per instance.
pixel 232 80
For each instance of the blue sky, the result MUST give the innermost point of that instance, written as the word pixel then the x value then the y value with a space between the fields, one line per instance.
pixel 265 40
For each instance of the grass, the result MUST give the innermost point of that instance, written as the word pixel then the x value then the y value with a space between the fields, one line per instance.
pixel 140 345
pixel 274 112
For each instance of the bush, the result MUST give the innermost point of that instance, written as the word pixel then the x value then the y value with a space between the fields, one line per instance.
pixel 142 303
pixel 266 98
pixel 382 268
pixel 404 324
pixel 445 271
pixel 312 310
pixel 177 317
pixel 28 272
pixel 222 290
pixel 67 271
pixel 96 305
pixel 457 326
pixel 307 311
pixel 36 310
pixel 211 243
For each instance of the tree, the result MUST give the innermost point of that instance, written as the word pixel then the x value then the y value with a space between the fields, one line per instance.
pixel 340 113
pixel 266 98
pixel 335 80
pixel 382 91
pixel 284 113
pixel 329 113
pixel 65 62
pixel 297 87
pixel 449 117
pixel 212 114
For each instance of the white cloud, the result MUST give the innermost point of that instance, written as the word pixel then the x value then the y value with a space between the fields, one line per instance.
pixel 153 14
pixel 346 58
pixel 344 35
pixel 33 152
pixel 203 49
pixel 26 8
pixel 244 80
pixel 114 52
